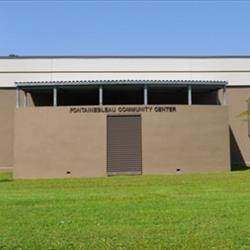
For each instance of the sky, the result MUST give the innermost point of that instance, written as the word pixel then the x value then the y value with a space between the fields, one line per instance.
pixel 143 27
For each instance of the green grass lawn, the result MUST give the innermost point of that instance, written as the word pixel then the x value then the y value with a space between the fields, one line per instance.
pixel 202 211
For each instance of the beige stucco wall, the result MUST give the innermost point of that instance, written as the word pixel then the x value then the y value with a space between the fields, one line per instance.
pixel 193 139
pixel 51 141
pixel 7 107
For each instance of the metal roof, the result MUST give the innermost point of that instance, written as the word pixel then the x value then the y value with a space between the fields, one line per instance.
pixel 122 82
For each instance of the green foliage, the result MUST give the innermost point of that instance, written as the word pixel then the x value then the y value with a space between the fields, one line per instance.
pixel 202 211
pixel 246 112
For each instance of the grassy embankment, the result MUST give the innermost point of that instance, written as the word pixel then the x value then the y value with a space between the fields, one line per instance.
pixel 202 211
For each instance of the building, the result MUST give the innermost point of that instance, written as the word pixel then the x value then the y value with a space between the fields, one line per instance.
pixel 99 116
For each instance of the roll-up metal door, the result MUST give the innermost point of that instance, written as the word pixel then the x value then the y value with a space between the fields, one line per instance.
pixel 124 145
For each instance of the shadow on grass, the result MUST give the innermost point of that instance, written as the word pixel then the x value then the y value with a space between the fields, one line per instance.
pixel 240 168
pixel 6 177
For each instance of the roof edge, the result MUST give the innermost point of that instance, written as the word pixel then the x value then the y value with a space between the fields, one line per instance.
pixel 121 82
pixel 123 56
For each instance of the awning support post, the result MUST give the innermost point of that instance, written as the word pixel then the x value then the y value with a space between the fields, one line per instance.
pixel 224 96
pixel 189 95
pixel 145 95
pixel 100 95
pixel 17 97
pixel 55 96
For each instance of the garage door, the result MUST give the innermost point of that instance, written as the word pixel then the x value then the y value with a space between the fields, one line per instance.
pixel 124 156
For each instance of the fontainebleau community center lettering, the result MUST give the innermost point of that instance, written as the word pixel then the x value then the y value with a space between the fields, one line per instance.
pixel 122 109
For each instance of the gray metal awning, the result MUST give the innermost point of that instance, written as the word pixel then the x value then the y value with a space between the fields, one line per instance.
pixel 146 84
pixel 219 84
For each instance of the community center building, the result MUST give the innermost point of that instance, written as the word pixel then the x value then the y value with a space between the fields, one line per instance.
pixel 73 116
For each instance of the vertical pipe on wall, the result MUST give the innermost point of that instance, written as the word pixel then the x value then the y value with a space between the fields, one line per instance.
pixel 145 95
pixel 100 95
pixel 54 96
pixel 189 95
pixel 17 97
